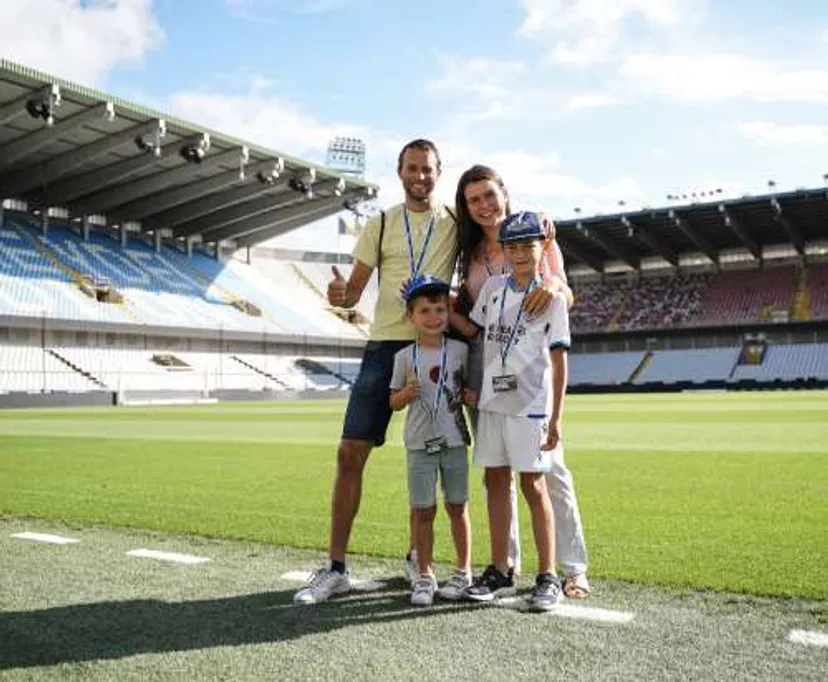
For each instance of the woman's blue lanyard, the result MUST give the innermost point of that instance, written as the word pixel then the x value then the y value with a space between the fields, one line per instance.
pixel 510 341
pixel 410 241
pixel 441 381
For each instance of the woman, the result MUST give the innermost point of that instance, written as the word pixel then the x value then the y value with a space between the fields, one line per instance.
pixel 482 205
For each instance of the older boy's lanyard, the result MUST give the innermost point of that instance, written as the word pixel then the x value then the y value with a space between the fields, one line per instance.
pixel 436 444
pixel 415 268
pixel 508 382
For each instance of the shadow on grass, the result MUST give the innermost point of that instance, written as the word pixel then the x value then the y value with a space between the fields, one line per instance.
pixel 117 629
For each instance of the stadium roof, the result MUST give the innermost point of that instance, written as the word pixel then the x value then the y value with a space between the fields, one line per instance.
pixel 750 224
pixel 66 146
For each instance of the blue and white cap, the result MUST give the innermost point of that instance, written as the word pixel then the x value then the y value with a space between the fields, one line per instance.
pixel 522 225
pixel 424 285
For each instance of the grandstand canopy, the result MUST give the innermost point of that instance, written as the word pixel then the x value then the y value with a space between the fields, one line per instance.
pixel 706 228
pixel 64 146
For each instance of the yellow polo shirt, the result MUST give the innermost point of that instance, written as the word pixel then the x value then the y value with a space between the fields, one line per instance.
pixel 390 323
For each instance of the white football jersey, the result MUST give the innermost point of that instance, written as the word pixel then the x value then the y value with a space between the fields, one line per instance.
pixel 528 357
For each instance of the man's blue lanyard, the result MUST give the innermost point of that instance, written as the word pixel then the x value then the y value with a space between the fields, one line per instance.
pixel 410 241
pixel 507 347
pixel 441 381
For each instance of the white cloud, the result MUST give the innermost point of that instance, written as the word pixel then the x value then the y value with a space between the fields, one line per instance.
pixel 263 118
pixel 770 134
pixel 81 40
pixel 478 76
pixel 721 77
pixel 586 32
pixel 591 100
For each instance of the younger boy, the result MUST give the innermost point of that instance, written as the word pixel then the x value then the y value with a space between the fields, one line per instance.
pixel 428 378
pixel 521 406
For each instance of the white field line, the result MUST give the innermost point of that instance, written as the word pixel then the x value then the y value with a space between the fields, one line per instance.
pixel 173 557
pixel 45 537
pixel 565 610
pixel 808 637
pixel 358 585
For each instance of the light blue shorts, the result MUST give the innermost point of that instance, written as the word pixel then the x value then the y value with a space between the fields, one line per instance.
pixel 451 467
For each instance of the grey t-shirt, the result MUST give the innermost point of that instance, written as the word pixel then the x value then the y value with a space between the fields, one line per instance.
pixel 450 420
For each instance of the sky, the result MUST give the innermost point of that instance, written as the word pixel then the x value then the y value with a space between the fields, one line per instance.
pixel 577 103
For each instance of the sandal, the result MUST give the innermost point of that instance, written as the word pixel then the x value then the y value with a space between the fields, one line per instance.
pixel 576 586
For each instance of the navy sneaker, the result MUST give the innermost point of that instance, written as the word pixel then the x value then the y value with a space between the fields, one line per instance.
pixel 546 594
pixel 491 584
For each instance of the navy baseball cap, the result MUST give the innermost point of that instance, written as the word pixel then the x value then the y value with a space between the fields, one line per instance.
pixel 424 285
pixel 522 225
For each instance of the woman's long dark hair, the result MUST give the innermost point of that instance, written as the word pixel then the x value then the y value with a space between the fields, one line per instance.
pixel 469 233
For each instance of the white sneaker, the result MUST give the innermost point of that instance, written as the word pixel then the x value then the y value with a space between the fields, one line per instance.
pixel 411 569
pixel 424 589
pixel 321 585
pixel 455 587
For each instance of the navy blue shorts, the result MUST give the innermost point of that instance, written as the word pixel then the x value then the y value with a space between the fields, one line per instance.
pixel 368 410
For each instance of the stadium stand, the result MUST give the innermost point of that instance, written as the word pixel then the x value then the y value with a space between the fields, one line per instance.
pixel 131 263
pixel 818 291
pixel 603 369
pixel 694 365
pixel 749 295
pixel 788 363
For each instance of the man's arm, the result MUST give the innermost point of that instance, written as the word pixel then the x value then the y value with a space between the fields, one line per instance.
pixel 347 294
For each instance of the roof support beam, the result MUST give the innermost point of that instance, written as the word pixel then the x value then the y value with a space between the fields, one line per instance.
pixel 276 217
pixel 245 225
pixel 741 233
pixel 610 247
pixel 243 212
pixel 44 173
pixel 575 251
pixel 236 213
pixel 172 199
pixel 77 186
pixel 700 242
pixel 793 232
pixel 110 198
pixel 185 203
pixel 655 243
pixel 14 151
pixel 285 223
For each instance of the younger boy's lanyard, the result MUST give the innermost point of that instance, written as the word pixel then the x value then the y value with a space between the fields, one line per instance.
pixel 510 341
pixel 415 268
pixel 441 381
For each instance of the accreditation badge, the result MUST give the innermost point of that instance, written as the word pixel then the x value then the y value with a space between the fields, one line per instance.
pixel 504 383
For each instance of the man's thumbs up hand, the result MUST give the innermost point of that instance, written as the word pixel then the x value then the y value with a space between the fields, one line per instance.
pixel 337 289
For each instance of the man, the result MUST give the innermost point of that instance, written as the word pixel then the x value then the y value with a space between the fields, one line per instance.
pixel 417 237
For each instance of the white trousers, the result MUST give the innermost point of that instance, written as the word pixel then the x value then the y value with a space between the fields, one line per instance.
pixel 570 548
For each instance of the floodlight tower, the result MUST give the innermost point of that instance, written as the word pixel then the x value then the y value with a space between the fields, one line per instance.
pixel 347 155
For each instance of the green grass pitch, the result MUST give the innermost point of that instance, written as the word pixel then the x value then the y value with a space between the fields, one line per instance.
pixel 705 490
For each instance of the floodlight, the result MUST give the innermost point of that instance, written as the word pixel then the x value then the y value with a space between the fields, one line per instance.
pixel 150 142
pixel 195 152
pixel 302 182
pixel 43 106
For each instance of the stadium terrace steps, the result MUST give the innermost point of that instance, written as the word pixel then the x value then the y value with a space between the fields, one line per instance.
pixel 273 378
pixel 75 368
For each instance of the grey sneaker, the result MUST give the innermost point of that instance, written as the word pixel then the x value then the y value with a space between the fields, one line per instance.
pixel 491 584
pixel 411 569
pixel 321 585
pixel 455 587
pixel 546 594
pixel 424 589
